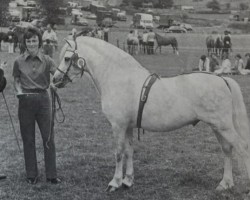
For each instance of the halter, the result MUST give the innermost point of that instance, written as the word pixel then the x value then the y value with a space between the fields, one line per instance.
pixel 74 61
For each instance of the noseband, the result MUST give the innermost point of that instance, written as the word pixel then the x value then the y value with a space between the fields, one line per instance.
pixel 74 61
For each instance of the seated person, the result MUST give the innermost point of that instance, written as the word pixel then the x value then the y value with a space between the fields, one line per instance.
pixel 214 62
pixel 239 65
pixel 225 66
pixel 204 63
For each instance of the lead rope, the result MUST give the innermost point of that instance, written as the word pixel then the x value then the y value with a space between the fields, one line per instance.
pixel 54 99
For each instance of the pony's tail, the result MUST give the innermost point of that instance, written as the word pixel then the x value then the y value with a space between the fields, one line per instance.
pixel 240 118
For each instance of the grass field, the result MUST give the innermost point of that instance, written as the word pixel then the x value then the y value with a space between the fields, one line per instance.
pixel 186 164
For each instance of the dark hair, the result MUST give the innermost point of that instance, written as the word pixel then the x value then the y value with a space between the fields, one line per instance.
pixel 29 33
pixel 247 54
pixel 203 57
pixel 238 56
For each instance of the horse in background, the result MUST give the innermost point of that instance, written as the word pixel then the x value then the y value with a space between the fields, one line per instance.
pixel 210 42
pixel 4 38
pixel 165 41
pixel 133 43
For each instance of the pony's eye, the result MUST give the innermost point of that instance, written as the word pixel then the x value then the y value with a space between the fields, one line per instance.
pixel 66 59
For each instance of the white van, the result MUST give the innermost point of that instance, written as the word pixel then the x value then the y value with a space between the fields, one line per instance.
pixel 143 20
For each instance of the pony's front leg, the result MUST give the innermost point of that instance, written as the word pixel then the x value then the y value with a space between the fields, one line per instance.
pixel 119 138
pixel 129 151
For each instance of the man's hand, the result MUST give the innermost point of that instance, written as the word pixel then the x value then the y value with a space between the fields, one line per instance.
pixel 53 87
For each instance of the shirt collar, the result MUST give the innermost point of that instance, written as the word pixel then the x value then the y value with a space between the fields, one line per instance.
pixel 27 55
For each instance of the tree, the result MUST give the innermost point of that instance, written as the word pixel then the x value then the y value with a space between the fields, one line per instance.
pixel 214 5
pixel 156 3
pixel 51 8
pixel 3 12
pixel 243 6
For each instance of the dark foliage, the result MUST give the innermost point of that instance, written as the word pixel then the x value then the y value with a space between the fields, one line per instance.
pixel 3 12
pixel 51 9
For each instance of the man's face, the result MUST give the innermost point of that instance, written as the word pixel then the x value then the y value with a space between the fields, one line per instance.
pixel 32 44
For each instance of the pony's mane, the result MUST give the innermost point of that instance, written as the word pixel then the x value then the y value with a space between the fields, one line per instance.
pixel 102 47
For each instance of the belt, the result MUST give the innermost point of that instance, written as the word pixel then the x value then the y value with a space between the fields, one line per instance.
pixel 34 90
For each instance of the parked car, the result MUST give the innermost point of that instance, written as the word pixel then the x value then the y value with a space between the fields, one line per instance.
pixel 175 29
pixel 81 22
pixel 91 16
pixel 188 27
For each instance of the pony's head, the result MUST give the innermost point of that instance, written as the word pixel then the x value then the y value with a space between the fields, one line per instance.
pixel 71 65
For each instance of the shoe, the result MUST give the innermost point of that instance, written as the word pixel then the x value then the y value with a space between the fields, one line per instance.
pixel 32 181
pixel 53 180
pixel 2 176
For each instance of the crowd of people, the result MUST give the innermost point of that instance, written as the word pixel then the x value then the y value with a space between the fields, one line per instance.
pixel 145 40
pixel 213 64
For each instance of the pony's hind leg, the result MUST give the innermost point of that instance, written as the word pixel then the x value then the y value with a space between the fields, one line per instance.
pixel 129 151
pixel 227 180
pixel 239 144
pixel 119 140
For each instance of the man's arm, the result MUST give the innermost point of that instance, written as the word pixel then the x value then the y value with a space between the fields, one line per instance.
pixel 17 85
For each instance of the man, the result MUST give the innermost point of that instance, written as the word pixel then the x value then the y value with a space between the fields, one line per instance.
pixel 145 41
pixel 2 87
pixel 151 41
pixel 49 41
pixel 106 33
pixel 248 61
pixel 227 44
pixel 31 72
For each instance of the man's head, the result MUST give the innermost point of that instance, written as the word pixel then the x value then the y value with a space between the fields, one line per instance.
pixel 247 55
pixel 203 57
pixel 49 27
pixel 30 33
pixel 238 56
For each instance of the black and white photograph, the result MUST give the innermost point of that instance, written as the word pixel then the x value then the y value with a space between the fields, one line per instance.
pixel 125 99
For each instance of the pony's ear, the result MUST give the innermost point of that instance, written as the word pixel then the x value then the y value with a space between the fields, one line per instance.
pixel 68 43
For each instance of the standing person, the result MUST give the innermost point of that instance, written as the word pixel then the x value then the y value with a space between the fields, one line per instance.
pixel 31 74
pixel 227 44
pixel 49 41
pixel 2 87
pixel 145 41
pixel 106 33
pixel 204 63
pixel 151 41
pixel 239 65
pixel 10 40
pixel 247 55
pixel 99 33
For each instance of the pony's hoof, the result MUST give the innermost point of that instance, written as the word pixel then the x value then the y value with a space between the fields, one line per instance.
pixel 220 188
pixel 128 181
pixel 111 189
